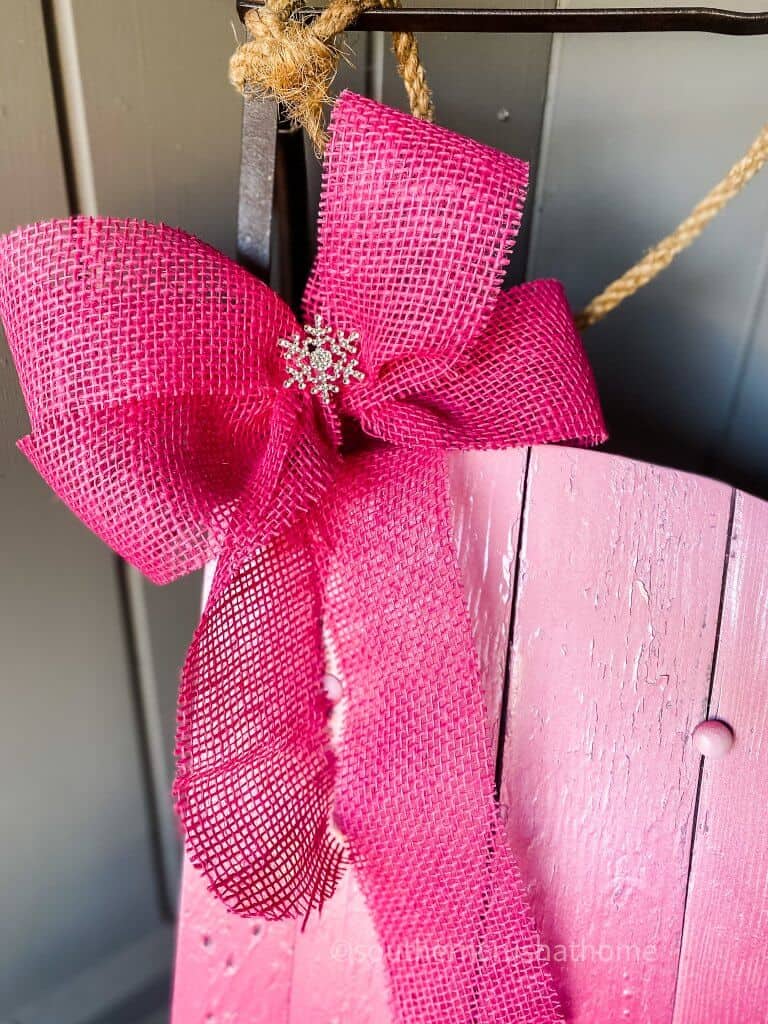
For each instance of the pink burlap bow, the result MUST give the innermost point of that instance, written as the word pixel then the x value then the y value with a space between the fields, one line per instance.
pixel 155 385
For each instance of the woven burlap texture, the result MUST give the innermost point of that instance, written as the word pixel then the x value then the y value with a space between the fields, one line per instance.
pixel 154 383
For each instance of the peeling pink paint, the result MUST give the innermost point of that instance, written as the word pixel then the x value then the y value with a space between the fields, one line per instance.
pixel 616 619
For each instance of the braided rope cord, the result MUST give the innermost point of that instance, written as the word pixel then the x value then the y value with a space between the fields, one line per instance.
pixel 664 252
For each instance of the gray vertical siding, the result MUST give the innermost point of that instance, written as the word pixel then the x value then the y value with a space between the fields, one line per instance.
pixel 155 134
pixel 150 129
pixel 76 861
pixel 638 128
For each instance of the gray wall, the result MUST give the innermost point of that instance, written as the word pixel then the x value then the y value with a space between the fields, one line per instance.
pixel 123 108
pixel 133 117
pixel 638 128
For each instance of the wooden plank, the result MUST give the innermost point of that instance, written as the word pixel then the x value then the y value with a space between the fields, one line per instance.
pixel 638 129
pixel 613 637
pixel 228 968
pixel 617 608
pixel 724 957
pixel 74 817
pixel 487 494
pixel 338 972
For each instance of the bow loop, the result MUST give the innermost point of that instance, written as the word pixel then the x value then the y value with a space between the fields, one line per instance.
pixel 154 386
pixel 416 224
pixel 415 229
pixel 524 380
pixel 100 311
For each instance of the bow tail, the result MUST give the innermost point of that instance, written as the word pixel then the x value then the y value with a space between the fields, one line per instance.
pixel 254 770
pixel 414 792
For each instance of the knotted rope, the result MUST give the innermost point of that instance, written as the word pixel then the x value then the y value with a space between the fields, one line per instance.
pixel 295 62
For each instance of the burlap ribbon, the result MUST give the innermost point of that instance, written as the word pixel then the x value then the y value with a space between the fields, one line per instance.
pixel 155 384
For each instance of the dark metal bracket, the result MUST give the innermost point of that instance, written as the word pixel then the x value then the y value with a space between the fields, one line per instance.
pixel 597 19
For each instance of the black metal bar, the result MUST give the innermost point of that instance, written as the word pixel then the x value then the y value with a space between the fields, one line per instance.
pixel 257 186
pixel 619 19
pixel 294 253
pixel 272 217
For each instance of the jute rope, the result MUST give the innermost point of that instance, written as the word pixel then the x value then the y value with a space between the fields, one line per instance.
pixel 295 62
pixel 662 254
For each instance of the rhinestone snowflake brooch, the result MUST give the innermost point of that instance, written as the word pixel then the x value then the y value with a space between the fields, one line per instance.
pixel 321 360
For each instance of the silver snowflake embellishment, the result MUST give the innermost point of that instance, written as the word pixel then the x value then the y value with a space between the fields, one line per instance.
pixel 321 360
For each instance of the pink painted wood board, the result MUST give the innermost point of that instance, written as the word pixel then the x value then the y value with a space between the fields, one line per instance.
pixel 724 959
pixel 616 605
pixel 619 589
pixel 229 970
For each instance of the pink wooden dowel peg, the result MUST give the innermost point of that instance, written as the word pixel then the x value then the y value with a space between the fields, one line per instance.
pixel 713 738
pixel 333 688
